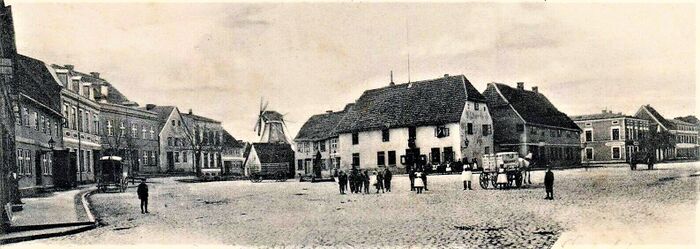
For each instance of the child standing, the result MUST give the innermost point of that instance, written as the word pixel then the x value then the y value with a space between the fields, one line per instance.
pixel 419 184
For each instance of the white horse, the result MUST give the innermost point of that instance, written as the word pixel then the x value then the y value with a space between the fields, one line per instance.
pixel 525 166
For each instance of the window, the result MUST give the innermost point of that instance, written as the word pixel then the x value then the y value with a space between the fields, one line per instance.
pixel 145 158
pixel 184 156
pixel 392 157
pixel 355 160
pixel 122 129
pixel 110 130
pixel 385 135
pixel 615 122
pixel 176 142
pixel 43 124
pixel 487 150
pixel 170 141
pixel 134 131
pixel 615 152
pixel 36 121
pixel 533 130
pixel 476 106
pixel 86 122
pixel 589 136
pixel 380 158
pixel 355 138
pixel 300 164
pixel 412 132
pixel 179 123
pixel 143 131
pixel 25 117
pixel 589 153
pixel 615 134
pixel 48 126
pixel 448 154
pixel 442 131
pixel 486 129
pixel 322 146
pixel 172 122
pixel 334 145
pixel 152 133
pixel 470 129
pixel 176 155
pixel 88 164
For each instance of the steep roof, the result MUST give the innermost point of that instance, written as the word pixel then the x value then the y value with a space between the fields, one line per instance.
pixel 162 111
pixel 657 116
pixel 274 152
pixel 34 79
pixel 320 126
pixel 689 119
pixel 535 108
pixel 429 102
pixel 230 141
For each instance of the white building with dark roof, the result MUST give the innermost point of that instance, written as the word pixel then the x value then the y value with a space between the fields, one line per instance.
pixel 443 120
pixel 318 138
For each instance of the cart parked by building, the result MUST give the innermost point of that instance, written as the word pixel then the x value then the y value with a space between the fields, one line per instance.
pixel 111 174
pixel 270 171
pixel 505 164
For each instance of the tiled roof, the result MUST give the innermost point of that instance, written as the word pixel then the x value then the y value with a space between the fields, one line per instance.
pixel 689 119
pixel 320 126
pixel 36 81
pixel 657 116
pixel 600 116
pixel 535 108
pixel 200 118
pixel 430 102
pixel 230 141
pixel 274 152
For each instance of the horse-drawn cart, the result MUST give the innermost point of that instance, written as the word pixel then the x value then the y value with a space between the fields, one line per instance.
pixel 503 164
pixel 272 171
pixel 111 174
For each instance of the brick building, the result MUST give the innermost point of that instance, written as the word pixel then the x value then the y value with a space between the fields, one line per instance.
pixel 527 122
pixel 610 137
pixel 444 119
pixel 38 122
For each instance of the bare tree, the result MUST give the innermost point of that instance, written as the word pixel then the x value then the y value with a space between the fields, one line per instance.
pixel 201 138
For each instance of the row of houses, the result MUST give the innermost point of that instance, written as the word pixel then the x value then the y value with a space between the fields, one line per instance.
pixel 65 120
pixel 447 119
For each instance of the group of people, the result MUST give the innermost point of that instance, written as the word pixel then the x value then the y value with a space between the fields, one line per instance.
pixel 359 181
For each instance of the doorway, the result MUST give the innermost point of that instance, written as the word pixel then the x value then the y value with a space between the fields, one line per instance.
pixel 171 161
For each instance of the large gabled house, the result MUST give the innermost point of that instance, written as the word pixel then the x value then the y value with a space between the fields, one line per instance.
pixel 527 122
pixel 684 134
pixel 175 150
pixel 439 120
pixel 317 139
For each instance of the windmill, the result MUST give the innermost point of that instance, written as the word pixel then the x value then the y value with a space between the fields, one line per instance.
pixel 270 126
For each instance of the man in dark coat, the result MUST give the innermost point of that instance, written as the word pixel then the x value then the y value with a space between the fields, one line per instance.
pixel 387 180
pixel 549 184
pixel 342 182
pixel 142 191
pixel 365 181
pixel 380 181
pixel 411 177
pixel 424 176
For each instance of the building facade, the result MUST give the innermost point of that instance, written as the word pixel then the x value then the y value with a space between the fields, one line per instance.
pixel 206 143
pixel 315 140
pixel 38 129
pixel 444 120
pixel 9 192
pixel 82 123
pixel 132 134
pixel 527 122
pixel 176 152
pixel 610 137
pixel 683 134
pixel 232 155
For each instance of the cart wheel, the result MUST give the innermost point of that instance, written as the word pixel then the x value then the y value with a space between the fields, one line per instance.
pixel 519 179
pixel 484 180
pixel 494 180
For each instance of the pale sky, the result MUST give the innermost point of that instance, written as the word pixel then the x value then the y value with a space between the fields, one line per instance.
pixel 220 59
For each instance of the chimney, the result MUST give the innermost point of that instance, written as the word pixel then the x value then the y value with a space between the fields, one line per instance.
pixel 535 89
pixel 189 111
pixel 150 106
pixel 521 85
pixel 69 67
pixel 391 77
pixel 95 74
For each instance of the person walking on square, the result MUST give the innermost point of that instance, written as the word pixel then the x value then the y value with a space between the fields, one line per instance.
pixel 365 179
pixel 380 182
pixel 549 184
pixel 142 192
pixel 467 177
pixel 419 183
pixel 342 182
pixel 387 180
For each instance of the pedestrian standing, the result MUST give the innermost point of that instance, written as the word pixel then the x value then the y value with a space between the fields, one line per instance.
pixel 142 192
pixel 342 182
pixel 412 177
pixel 366 181
pixel 424 177
pixel 549 183
pixel 352 180
pixel 380 181
pixel 419 184
pixel 467 177
pixel 387 179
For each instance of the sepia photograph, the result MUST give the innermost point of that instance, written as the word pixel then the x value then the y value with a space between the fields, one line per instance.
pixel 345 124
